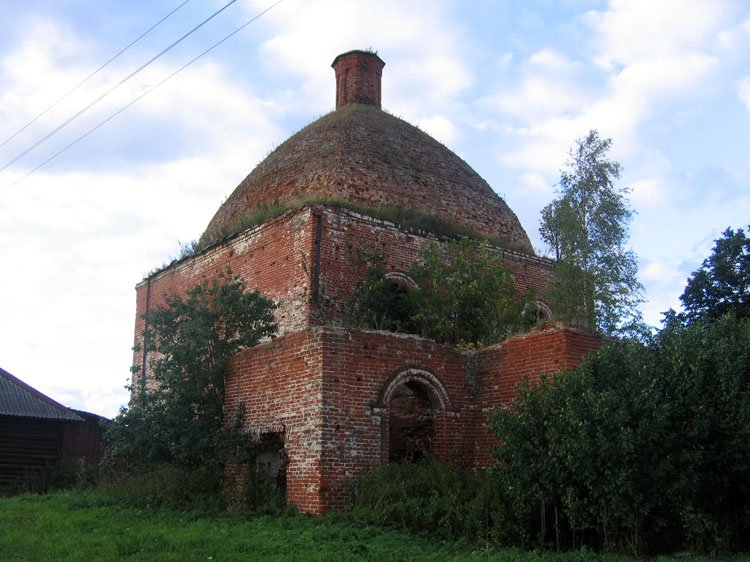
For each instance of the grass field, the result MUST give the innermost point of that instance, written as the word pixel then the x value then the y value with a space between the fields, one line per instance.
pixel 87 526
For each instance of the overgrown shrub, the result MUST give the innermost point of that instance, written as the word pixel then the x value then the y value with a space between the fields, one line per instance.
pixel 169 486
pixel 174 439
pixel 427 496
pixel 464 296
pixel 64 474
pixel 467 296
pixel 642 449
pixel 257 493
pixel 202 489
pixel 378 303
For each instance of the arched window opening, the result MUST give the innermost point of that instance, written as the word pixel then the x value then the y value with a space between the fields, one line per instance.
pixel 401 279
pixel 537 313
pixel 390 306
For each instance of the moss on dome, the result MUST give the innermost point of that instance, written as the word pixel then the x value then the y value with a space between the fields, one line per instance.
pixel 365 156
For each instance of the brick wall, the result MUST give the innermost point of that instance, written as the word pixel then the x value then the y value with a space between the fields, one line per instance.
pixel 500 369
pixel 345 232
pixel 325 389
pixel 358 75
pixel 328 390
pixel 359 367
pixel 272 258
pixel 280 386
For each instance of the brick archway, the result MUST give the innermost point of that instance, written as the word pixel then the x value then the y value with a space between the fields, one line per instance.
pixel 401 279
pixel 412 400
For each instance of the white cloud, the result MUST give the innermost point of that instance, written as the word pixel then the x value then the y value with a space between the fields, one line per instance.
pixel 540 97
pixel 660 271
pixel 548 87
pixel 78 241
pixel 543 147
pixel 536 182
pixel 735 38
pixel 647 65
pixel 630 31
pixel 662 77
pixel 505 59
pixel 440 128
pixel 420 45
pixel 647 192
pixel 554 61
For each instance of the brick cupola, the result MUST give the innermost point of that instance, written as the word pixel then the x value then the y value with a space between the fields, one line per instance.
pixel 364 156
pixel 358 76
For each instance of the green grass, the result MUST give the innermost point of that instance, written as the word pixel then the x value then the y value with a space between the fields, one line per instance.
pixel 91 526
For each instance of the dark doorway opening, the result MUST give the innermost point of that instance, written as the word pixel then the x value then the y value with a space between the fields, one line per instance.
pixel 270 464
pixel 411 426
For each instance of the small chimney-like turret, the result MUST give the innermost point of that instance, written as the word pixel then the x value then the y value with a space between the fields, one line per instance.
pixel 358 76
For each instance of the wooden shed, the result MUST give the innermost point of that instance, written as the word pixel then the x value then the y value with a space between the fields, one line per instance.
pixel 36 431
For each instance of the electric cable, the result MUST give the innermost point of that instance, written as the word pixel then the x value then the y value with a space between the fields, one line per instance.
pixel 113 88
pixel 90 76
pixel 144 94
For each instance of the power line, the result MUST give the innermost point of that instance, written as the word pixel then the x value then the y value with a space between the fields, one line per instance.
pixel 144 94
pixel 90 76
pixel 113 88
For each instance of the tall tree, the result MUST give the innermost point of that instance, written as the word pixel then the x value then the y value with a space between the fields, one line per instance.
pixel 180 421
pixel 586 226
pixel 722 284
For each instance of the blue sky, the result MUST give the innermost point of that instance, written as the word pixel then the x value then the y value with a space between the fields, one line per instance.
pixel 509 86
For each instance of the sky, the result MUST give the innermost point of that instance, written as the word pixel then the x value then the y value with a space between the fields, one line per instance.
pixel 508 85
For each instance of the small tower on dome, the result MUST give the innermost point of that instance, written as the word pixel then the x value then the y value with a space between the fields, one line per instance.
pixel 358 75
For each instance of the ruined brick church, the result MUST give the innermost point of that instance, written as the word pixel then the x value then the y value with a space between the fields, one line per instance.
pixel 336 400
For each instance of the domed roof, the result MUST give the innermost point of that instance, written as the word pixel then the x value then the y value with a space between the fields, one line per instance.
pixel 363 155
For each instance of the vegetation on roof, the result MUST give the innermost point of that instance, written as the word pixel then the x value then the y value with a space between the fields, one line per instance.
pixel 397 214
pixel 463 296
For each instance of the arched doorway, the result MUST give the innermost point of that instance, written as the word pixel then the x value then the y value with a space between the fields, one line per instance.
pixel 411 423
pixel 413 399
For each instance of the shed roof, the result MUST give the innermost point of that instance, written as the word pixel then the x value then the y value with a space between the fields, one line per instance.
pixel 18 399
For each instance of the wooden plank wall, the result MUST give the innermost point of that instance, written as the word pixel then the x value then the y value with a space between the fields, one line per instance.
pixel 27 445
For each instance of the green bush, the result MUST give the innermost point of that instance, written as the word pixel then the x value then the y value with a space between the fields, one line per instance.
pixel 642 449
pixel 169 448
pixel 64 474
pixel 252 491
pixel 167 486
pixel 427 496
pixel 464 296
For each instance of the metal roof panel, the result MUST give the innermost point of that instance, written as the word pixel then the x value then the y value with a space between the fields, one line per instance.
pixel 18 399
